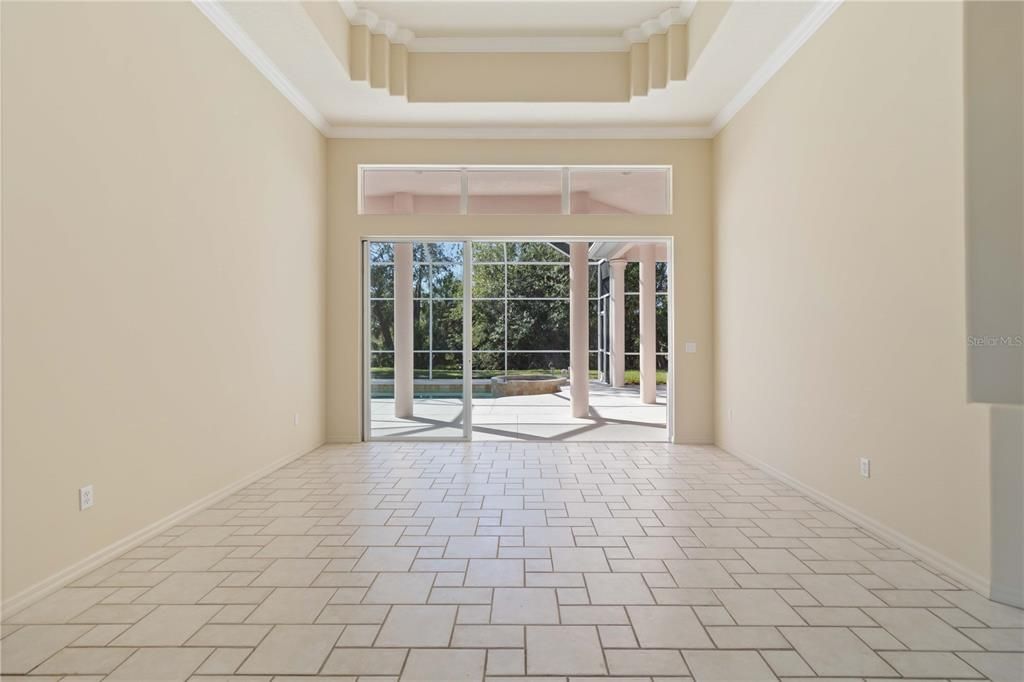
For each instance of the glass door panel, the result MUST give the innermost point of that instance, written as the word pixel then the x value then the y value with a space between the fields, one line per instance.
pixel 418 378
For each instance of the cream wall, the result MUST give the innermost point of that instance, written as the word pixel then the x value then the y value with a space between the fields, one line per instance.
pixel 994 162
pixel 163 274
pixel 839 279
pixel 689 226
pixel 519 77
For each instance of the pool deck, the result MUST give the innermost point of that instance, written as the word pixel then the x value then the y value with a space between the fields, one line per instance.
pixel 616 414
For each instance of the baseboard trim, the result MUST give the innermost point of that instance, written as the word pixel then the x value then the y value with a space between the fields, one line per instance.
pixel 938 561
pixel 51 584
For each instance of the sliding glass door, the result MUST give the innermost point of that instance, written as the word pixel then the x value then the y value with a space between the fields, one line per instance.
pixel 418 372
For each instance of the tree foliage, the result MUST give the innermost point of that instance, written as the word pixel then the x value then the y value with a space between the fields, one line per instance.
pixel 520 292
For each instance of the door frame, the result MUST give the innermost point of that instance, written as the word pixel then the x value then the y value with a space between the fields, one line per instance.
pixel 467 323
pixel 467 342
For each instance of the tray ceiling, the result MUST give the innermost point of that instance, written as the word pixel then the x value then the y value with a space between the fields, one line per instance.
pixel 311 52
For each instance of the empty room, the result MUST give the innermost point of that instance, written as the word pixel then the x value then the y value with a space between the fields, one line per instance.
pixel 511 340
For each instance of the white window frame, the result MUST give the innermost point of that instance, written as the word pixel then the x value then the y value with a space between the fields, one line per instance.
pixel 566 188
pixel 467 240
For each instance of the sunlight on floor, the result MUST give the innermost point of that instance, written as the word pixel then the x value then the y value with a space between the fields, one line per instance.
pixel 616 415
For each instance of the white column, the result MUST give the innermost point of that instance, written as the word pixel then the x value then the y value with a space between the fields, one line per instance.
pixel 648 344
pixel 403 330
pixel 618 323
pixel 579 330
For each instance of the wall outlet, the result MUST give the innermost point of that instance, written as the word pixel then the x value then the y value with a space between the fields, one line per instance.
pixel 865 467
pixel 730 415
pixel 296 419
pixel 691 347
pixel 85 498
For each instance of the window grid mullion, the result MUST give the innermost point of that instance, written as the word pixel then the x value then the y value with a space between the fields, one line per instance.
pixel 504 250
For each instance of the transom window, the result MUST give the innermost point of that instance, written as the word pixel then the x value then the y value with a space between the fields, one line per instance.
pixel 515 190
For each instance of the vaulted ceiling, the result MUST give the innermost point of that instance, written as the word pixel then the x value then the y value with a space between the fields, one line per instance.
pixel 507 68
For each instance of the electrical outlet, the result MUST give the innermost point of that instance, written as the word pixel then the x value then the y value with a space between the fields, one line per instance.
pixel 730 415
pixel 865 467
pixel 296 420
pixel 85 498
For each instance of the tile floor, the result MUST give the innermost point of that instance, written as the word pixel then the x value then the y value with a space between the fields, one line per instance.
pixel 507 560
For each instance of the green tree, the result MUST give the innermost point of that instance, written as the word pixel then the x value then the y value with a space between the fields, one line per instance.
pixel 535 278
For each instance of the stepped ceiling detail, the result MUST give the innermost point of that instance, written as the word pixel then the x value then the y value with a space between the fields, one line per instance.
pixel 489 68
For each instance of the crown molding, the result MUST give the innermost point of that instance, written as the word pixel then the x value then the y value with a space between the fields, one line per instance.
pixel 520 133
pixel 661 23
pixel 521 44
pixel 219 17
pixel 358 16
pixel 215 12
pixel 793 42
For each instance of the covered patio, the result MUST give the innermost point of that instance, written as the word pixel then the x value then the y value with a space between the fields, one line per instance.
pixel 543 314
pixel 616 414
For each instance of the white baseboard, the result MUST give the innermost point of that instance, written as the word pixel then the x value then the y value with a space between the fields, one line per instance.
pixel 926 554
pixel 51 584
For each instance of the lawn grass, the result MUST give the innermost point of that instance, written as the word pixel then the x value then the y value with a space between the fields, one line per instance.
pixel 633 377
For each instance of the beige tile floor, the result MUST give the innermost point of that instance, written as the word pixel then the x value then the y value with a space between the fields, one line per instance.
pixel 507 560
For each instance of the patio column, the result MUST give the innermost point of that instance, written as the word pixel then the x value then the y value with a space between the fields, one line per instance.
pixel 403 330
pixel 618 322
pixel 579 329
pixel 648 344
